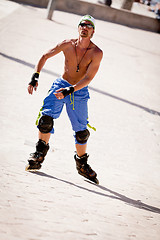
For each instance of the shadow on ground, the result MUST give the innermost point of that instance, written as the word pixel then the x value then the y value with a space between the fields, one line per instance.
pixel 115 195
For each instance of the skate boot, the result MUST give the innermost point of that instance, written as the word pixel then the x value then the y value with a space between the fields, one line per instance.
pixel 84 169
pixel 37 158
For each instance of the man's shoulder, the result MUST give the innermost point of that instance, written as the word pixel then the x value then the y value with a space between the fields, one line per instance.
pixel 97 50
pixel 68 42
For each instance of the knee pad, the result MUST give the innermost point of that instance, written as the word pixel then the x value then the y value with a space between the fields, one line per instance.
pixel 45 124
pixel 82 136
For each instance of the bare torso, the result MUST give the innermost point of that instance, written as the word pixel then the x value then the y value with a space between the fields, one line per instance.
pixel 75 55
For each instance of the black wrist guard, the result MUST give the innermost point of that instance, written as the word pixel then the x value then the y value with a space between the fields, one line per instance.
pixel 34 79
pixel 67 91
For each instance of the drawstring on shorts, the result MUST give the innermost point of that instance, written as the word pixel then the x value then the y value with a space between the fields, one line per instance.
pixel 72 101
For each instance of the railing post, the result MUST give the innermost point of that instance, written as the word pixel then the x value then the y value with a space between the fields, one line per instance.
pixel 127 4
pixel 50 8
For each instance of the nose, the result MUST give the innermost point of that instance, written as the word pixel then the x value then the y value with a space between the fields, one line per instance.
pixel 85 27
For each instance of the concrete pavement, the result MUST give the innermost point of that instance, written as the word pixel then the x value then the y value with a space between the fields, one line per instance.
pixel 57 203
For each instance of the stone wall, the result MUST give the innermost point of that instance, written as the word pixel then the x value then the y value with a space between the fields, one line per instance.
pixel 102 12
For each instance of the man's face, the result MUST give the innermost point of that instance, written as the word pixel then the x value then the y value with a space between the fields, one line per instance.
pixel 86 29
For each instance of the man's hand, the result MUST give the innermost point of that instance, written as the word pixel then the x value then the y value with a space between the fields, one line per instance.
pixel 63 92
pixel 30 88
pixel 33 83
pixel 59 94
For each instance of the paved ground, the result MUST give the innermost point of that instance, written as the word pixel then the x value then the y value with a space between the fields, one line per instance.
pixel 57 203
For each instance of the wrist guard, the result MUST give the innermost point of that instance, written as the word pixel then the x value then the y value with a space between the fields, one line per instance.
pixel 67 91
pixel 34 79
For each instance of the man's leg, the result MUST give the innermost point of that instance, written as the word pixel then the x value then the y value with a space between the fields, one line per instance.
pixel 81 157
pixel 78 117
pixel 45 126
pixel 51 109
pixel 81 149
pixel 44 137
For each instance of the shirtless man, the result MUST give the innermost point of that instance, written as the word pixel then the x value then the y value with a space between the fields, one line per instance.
pixel 82 60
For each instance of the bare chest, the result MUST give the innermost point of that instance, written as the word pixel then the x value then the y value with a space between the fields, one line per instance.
pixel 78 58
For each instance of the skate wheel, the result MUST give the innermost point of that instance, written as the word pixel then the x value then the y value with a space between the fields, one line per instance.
pixel 96 181
pixel 28 169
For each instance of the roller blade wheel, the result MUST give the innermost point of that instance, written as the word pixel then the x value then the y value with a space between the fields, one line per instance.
pixel 33 166
pixel 95 180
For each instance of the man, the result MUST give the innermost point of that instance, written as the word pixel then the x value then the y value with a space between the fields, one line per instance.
pixel 82 60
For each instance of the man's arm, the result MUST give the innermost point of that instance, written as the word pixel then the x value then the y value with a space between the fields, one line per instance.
pixel 34 82
pixel 91 72
pixel 47 55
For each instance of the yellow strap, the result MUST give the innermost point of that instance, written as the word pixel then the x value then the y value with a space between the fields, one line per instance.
pixel 91 127
pixel 72 102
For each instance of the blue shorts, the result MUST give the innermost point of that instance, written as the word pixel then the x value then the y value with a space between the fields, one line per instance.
pixel 76 105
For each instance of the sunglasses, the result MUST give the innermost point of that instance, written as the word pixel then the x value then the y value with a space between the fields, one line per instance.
pixel 86 25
